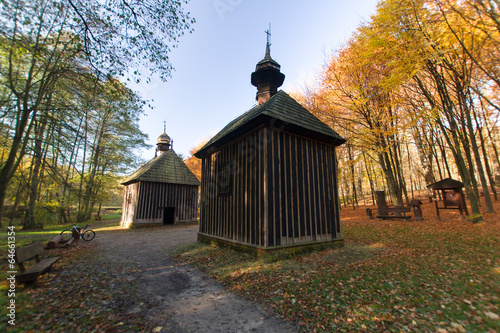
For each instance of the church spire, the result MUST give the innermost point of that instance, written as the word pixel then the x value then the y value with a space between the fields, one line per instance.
pixel 267 76
pixel 164 142
pixel 268 44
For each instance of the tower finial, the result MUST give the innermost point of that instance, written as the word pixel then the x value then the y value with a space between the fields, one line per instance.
pixel 164 142
pixel 268 45
pixel 267 76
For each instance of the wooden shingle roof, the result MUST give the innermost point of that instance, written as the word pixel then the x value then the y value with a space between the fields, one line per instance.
pixel 280 111
pixel 446 184
pixel 168 167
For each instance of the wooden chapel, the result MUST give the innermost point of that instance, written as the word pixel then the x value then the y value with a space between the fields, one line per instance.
pixel 162 191
pixel 269 178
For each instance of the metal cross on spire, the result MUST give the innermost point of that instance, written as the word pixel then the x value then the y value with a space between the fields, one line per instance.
pixel 165 126
pixel 268 45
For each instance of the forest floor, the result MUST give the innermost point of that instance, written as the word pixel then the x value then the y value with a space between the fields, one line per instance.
pixel 126 281
pixel 391 275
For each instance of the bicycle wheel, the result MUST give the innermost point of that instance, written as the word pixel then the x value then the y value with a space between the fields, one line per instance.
pixel 66 235
pixel 88 235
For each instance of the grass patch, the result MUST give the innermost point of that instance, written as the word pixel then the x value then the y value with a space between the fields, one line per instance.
pixel 111 216
pixel 26 237
pixel 390 276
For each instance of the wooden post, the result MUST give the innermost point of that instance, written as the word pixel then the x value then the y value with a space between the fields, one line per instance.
pixel 76 234
pixel 417 209
pixel 463 205
pixel 436 203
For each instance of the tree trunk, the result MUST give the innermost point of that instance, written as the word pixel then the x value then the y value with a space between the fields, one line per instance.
pixel 493 142
pixel 491 178
pixel 392 185
pixel 29 221
pixel 370 179
pixel 85 214
pixel 410 170
pixel 471 169
pixel 425 158
pixel 15 156
pixel 479 164
pixel 454 141
pixel 353 180
pixel 444 158
pixel 399 168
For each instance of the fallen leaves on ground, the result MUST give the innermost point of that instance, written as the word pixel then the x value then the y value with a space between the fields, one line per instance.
pixel 82 293
pixel 418 276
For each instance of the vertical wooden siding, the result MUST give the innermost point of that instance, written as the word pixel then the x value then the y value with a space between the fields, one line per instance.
pixel 284 191
pixel 303 196
pixel 239 216
pixel 153 197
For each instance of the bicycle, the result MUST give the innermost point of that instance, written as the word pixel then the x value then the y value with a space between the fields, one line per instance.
pixel 84 233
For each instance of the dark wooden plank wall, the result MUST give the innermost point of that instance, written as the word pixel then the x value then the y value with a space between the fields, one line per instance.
pixel 154 196
pixel 284 191
pixel 303 196
pixel 242 215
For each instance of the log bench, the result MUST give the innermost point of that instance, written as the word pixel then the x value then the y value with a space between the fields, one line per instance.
pixel 57 242
pixel 41 266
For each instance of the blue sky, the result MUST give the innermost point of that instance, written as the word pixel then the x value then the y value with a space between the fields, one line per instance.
pixel 211 83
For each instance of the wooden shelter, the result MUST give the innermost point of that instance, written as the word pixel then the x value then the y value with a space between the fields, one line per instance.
pixel 162 191
pixel 269 178
pixel 452 194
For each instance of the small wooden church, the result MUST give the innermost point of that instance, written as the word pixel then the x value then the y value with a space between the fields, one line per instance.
pixel 162 191
pixel 269 178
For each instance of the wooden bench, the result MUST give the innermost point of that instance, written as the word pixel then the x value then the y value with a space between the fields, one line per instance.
pixel 386 212
pixel 41 266
pixel 397 211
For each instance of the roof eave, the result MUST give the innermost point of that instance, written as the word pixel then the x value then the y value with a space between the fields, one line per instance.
pixel 273 123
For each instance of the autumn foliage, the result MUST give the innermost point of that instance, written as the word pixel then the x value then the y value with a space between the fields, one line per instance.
pixel 415 92
pixel 193 163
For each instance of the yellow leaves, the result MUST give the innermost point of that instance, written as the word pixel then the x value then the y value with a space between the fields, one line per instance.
pixel 491 315
pixel 453 327
pixel 458 328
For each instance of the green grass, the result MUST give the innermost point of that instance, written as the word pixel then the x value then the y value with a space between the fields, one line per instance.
pixel 26 237
pixel 390 276
pixel 111 216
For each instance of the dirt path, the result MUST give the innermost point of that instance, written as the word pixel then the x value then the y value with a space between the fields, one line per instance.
pixel 180 297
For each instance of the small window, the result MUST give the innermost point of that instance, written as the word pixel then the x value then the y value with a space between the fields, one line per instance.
pixel 225 179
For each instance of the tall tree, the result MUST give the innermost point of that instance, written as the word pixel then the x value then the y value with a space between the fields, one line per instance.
pixel 410 34
pixel 41 40
pixel 354 97
pixel 114 130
